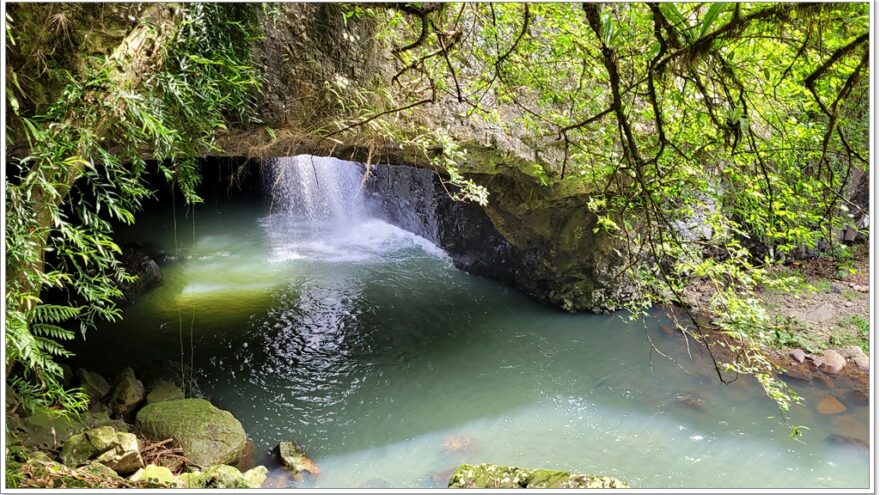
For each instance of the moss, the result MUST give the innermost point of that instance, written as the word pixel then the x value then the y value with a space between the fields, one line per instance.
pixel 495 476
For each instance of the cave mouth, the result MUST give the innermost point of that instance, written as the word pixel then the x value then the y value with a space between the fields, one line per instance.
pixel 332 326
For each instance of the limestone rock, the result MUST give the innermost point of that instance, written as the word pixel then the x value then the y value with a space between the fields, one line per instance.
pixel 206 434
pixel 256 477
pixel 117 450
pixel 78 451
pixel 94 384
pixel 127 394
pixel 494 476
pixel 125 457
pixel 295 460
pixel 830 361
pixel 830 405
pixel 164 391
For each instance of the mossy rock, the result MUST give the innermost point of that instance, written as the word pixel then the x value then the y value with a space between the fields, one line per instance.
pixel 494 476
pixel 94 384
pixel 295 460
pixel 118 451
pixel 159 475
pixel 127 394
pixel 46 429
pixel 164 391
pixel 207 435
pixel 223 476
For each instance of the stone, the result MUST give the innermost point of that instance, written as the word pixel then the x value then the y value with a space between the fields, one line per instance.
pixel 459 443
pixel 224 476
pixel 39 455
pixel 140 264
pixel 206 434
pixel 843 440
pixel 691 401
pixel 46 429
pixel 78 451
pixel 494 476
pixel 830 361
pixel 830 405
pixel 151 473
pixel 123 463
pixel 94 384
pixel 295 460
pixel 256 476
pixel 798 355
pixel 98 469
pixel 127 394
pixel 164 391
pixel 851 352
pixel 820 314
pixel 862 363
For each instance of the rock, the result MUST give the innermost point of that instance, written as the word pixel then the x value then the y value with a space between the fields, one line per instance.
pixel 223 476
pixel 494 476
pixel 820 314
pixel 95 419
pixel 830 361
pixel 459 443
pixel 848 304
pixel 127 394
pixel 255 477
pixel 117 450
pixel 830 405
pixel 41 456
pixel 206 434
pixel 857 443
pixel 138 263
pixel 295 460
pixel 862 363
pixel 125 458
pixel 159 475
pixel 798 355
pixel 164 391
pixel 94 384
pixel 852 352
pixel 98 469
pixel 78 451
pixel 800 373
pixel 45 429
pixel 691 401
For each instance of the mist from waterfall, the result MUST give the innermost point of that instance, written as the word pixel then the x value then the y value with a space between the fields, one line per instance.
pixel 319 210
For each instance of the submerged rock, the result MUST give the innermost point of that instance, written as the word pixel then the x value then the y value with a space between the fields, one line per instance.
pixel 843 440
pixel 127 394
pixel 295 459
pixel 494 476
pixel 138 263
pixel 830 405
pixel 206 434
pixel 459 443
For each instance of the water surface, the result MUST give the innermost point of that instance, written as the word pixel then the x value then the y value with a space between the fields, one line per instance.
pixel 313 322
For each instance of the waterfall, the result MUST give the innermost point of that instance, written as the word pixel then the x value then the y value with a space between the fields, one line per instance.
pixel 324 192
pixel 319 211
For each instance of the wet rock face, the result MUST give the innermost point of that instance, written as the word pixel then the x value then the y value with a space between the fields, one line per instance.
pixel 538 240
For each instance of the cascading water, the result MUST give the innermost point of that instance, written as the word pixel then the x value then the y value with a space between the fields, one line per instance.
pixel 319 211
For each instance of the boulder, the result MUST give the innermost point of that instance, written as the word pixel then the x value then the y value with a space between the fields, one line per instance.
pixel 159 475
pixel 206 434
pixel 494 476
pixel 45 429
pixel 164 391
pixel 830 361
pixel 116 450
pixel 223 476
pixel 295 460
pixel 830 405
pixel 98 469
pixel 93 384
pixel 140 264
pixel 798 355
pixel 127 394
pixel 857 356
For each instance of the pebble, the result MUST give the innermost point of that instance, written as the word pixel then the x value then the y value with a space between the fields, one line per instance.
pixel 830 405
pixel 848 304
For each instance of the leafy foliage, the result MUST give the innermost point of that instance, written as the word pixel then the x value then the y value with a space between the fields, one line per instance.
pixel 85 168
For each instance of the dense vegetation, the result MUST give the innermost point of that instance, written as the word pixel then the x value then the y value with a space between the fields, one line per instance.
pixel 745 122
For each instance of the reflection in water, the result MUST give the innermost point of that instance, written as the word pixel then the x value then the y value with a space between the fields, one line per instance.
pixel 362 343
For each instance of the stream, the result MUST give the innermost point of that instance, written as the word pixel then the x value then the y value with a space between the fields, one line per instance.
pixel 312 320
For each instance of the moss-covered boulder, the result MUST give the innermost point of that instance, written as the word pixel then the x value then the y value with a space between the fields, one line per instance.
pixel 295 460
pixel 494 476
pixel 127 393
pixel 206 434
pixel 152 473
pixel 223 476
pixel 164 391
